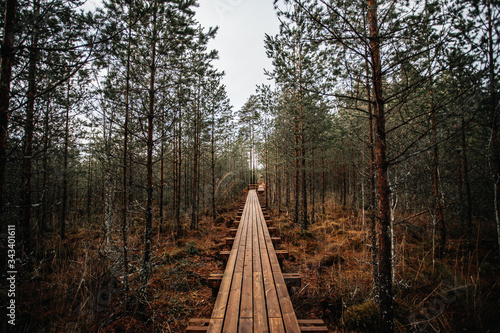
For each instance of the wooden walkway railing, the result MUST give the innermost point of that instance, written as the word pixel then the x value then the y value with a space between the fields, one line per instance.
pixel 253 295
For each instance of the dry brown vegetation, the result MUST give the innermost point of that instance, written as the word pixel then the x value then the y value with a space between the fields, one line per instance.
pixel 77 286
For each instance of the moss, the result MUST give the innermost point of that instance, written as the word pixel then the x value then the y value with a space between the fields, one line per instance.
pixel 190 248
pixel 362 316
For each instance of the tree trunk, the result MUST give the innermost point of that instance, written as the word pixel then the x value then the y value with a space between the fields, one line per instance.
pixel 212 164
pixel 468 193
pixel 266 174
pixel 65 168
pixel 373 222
pixel 177 201
pixel 313 206
pixel 441 225
pixel 125 165
pixel 162 177
pixel 495 153
pixel 146 259
pixel 278 185
pixel 323 208
pixel 195 192
pixel 296 165
pixel 304 176
pixel 5 78
pixel 89 187
pixel 344 186
pixel 28 131
pixel 45 177
pixel 385 261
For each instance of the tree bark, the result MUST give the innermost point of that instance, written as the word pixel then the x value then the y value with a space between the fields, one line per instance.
pixel 5 78
pixel 28 131
pixel 296 165
pixel 385 260
pixel 468 193
pixel 195 192
pixel 441 225
pixel 65 168
pixel 304 175
pixel 373 222
pixel 45 177
pixel 177 201
pixel 495 152
pixel 125 165
pixel 162 177
pixel 323 208
pixel 313 204
pixel 212 165
pixel 146 259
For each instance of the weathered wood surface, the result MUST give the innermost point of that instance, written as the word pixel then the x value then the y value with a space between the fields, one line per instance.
pixel 252 293
pixel 253 296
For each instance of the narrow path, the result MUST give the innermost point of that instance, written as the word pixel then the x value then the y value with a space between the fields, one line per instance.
pixel 253 296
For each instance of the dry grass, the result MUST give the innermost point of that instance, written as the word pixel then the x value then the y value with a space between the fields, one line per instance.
pixel 77 284
pixel 334 256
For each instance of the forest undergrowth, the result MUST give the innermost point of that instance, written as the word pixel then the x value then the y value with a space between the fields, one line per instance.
pixel 77 285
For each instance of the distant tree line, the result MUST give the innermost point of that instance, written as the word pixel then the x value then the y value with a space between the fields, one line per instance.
pixel 389 108
pixel 113 119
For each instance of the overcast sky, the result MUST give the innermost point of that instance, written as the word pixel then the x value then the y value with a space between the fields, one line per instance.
pixel 240 42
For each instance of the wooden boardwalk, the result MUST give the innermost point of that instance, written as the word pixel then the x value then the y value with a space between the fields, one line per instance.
pixel 253 296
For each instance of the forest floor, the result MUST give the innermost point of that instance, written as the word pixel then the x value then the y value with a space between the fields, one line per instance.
pixel 77 285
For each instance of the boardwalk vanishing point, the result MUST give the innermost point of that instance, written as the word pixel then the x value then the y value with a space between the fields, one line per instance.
pixel 252 293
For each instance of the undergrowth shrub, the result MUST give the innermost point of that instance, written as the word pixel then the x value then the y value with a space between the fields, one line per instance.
pixel 362 316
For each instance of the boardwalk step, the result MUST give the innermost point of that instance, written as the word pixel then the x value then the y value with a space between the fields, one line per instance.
pixel 236 222
pixel 198 325
pixel 281 254
pixel 232 232
pixel 312 325
pixel 291 280
pixel 306 325
pixel 276 240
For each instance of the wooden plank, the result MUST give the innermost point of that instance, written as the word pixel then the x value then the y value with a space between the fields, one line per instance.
pixel 259 298
pixel 221 302
pixel 281 254
pixel 233 305
pixel 313 325
pixel 215 325
pixel 246 292
pixel 276 325
pixel 196 329
pixel 273 307
pixel 311 322
pixel 253 296
pixel 246 325
pixel 287 311
pixel 315 329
